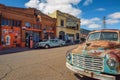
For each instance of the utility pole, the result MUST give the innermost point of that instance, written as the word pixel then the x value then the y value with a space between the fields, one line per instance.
pixel 104 22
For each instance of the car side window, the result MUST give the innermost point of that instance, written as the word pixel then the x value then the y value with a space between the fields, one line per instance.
pixel 52 41
pixel 56 40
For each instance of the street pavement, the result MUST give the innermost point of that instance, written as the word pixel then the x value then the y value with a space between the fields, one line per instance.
pixel 35 64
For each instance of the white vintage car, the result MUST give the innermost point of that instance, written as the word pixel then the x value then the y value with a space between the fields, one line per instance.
pixel 50 43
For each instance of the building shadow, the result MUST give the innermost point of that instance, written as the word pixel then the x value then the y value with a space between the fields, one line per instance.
pixel 14 50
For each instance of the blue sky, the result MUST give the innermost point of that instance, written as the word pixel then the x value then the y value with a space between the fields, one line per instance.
pixel 90 12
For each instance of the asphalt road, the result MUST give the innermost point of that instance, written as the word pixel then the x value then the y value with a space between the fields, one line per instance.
pixel 38 64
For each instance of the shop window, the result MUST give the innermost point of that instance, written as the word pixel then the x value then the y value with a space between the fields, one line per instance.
pixel 77 35
pixel 27 24
pixel 46 36
pixel 62 23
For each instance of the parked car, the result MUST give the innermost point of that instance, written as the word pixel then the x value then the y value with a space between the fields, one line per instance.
pixel 98 57
pixel 77 41
pixel 69 42
pixel 49 43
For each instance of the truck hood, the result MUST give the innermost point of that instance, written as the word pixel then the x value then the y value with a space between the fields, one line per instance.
pixel 96 48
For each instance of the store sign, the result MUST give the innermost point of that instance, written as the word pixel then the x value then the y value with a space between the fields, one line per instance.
pixel 71 23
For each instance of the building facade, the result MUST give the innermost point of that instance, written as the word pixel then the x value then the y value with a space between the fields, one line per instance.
pixel 21 27
pixel 68 26
pixel 84 33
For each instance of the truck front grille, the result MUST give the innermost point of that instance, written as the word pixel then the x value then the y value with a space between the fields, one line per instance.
pixel 88 62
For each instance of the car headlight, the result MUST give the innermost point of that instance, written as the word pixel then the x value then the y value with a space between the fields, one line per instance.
pixel 111 63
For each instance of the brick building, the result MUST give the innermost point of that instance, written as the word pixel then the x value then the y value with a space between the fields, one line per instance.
pixel 24 26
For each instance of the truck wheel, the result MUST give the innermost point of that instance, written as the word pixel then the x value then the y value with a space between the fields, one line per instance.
pixel 118 77
pixel 47 46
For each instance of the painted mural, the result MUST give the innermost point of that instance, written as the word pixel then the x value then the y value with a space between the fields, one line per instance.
pixel 11 36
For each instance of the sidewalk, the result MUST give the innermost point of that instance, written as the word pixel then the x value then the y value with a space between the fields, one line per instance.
pixel 13 50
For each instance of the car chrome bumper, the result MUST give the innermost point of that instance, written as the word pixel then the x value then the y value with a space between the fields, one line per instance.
pixel 90 74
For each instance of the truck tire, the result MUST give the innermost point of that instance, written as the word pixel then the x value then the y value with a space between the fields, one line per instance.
pixel 118 77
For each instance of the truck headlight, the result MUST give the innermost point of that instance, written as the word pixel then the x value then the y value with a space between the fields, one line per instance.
pixel 111 63
pixel 68 55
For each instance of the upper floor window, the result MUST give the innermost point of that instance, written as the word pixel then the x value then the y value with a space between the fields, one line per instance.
pixel 36 26
pixel 77 27
pixel 4 22
pixel 62 22
pixel 27 24
pixel 10 22
pixel 13 23
pixel 18 23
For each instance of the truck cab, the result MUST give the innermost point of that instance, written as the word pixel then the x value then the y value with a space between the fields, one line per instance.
pixel 98 57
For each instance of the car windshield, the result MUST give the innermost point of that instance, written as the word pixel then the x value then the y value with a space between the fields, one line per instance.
pixel 45 40
pixel 112 36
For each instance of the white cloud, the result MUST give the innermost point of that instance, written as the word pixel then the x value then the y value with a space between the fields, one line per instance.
pixel 32 3
pixel 95 19
pixel 91 23
pixel 115 15
pixel 112 21
pixel 101 9
pixel 113 18
pixel 87 2
pixel 94 26
pixel 49 6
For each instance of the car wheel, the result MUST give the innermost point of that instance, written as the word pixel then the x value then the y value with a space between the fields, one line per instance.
pixel 47 46
pixel 60 45
pixel 35 47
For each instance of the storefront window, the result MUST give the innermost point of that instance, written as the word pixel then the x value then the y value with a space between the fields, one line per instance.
pixel 46 35
pixel 77 35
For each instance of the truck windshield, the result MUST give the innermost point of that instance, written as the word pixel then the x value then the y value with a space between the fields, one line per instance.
pixel 112 36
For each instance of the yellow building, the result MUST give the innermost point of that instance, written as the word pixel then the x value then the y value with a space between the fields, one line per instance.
pixel 68 26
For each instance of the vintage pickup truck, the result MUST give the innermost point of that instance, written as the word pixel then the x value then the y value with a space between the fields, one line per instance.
pixel 98 57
